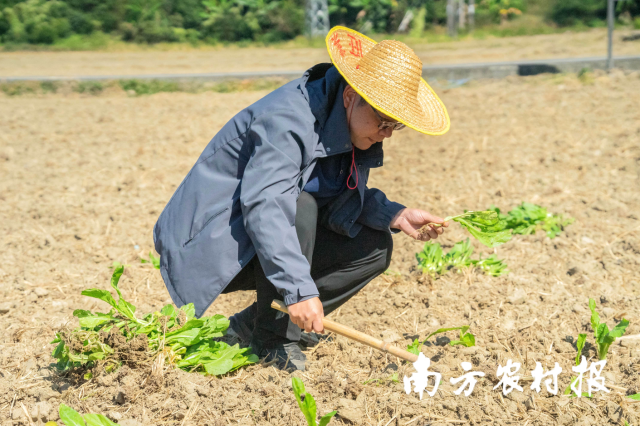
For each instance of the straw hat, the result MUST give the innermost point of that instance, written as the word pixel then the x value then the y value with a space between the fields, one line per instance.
pixel 388 75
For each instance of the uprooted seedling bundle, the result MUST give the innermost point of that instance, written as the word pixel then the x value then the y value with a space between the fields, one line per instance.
pixel 485 226
pixel 433 261
pixel 169 337
pixel 493 228
pixel 527 218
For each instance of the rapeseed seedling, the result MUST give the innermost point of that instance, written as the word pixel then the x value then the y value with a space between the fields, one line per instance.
pixel 308 405
pixel 172 336
pixel 155 261
pixel 433 261
pixel 71 417
pixel 466 339
pixel 603 336
pixel 580 345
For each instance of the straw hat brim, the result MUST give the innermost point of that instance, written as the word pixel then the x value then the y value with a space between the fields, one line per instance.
pixel 426 113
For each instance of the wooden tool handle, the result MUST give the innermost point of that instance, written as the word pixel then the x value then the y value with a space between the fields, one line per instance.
pixel 356 335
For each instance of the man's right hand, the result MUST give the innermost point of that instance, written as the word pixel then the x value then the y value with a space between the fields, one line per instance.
pixel 307 315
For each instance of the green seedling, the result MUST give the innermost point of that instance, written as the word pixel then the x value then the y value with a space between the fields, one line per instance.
pixel 71 417
pixel 603 336
pixel 391 379
pixel 115 265
pixel 308 405
pixel 155 261
pixel 485 226
pixel 568 391
pixel 491 266
pixel 434 262
pixel 527 218
pixel 635 397
pixel 580 345
pixel 414 347
pixel 430 259
pixel 466 339
pixel 172 334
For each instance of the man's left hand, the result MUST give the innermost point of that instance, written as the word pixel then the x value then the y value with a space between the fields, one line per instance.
pixel 410 221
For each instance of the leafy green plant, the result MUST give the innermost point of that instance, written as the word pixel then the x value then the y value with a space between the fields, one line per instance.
pixel 308 405
pixel 466 339
pixel 155 261
pixel 527 218
pixel 434 262
pixel 173 335
pixel 567 390
pixel 580 345
pixel 635 397
pixel 491 266
pixel 603 336
pixel 414 347
pixel 485 226
pixel 71 417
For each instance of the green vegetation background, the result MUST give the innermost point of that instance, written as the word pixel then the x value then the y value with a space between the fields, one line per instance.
pixel 87 24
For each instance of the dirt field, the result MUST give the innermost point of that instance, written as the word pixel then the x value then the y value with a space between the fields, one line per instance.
pixel 218 60
pixel 83 179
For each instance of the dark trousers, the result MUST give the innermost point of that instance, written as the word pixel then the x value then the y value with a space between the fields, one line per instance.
pixel 340 267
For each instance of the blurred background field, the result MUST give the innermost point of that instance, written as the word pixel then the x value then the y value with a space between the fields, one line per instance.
pixel 165 58
pixel 124 25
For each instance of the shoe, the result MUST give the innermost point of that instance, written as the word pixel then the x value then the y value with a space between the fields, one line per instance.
pixel 288 355
pixel 241 324
pixel 241 328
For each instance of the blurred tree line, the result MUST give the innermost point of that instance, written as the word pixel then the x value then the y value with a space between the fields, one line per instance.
pixel 152 21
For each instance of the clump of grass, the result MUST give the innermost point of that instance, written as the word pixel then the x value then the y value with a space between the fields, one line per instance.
pixel 247 85
pixel 49 86
pixel 141 87
pixel 19 88
pixel 90 87
pixel 144 87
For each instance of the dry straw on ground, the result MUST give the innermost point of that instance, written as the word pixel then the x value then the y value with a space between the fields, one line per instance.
pixel 83 180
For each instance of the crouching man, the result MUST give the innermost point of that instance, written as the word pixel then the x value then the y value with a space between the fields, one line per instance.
pixel 278 201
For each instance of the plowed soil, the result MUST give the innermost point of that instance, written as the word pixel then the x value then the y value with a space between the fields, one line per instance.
pixel 83 179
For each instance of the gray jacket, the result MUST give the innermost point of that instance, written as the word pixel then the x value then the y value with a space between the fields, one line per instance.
pixel 239 199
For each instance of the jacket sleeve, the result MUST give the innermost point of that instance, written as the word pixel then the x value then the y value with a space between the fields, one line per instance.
pixel 377 210
pixel 268 202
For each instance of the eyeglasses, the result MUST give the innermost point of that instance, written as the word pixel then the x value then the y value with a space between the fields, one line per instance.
pixel 396 125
